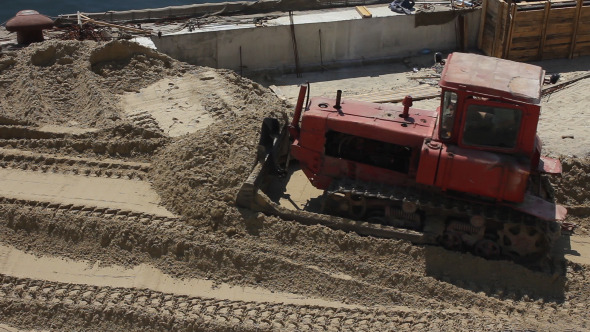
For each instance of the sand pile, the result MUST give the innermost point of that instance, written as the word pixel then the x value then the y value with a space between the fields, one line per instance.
pixel 199 174
pixel 572 189
pixel 76 83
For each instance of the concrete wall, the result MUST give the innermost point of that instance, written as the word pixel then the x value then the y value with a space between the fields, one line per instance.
pixel 342 43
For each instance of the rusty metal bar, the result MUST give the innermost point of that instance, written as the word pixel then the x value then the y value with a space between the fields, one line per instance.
pixel 294 39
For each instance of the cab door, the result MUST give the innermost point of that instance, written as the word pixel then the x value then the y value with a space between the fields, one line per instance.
pixel 488 160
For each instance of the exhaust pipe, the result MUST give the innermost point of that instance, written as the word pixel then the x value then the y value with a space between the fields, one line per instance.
pixel 294 126
pixel 407 102
pixel 338 107
pixel 338 99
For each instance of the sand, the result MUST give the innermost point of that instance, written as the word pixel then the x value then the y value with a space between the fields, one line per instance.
pixel 155 242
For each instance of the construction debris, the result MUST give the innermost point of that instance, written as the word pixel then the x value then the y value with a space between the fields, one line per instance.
pixel 85 32
pixel 85 28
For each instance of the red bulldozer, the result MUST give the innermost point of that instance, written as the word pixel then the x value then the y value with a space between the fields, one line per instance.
pixel 468 176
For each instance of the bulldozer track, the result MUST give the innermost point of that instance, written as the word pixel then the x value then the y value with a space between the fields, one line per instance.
pixel 148 309
pixel 156 236
pixel 145 120
pixel 121 147
pixel 25 160
pixel 167 237
pixel 250 196
pixel 438 204
pixel 26 132
pixel 90 211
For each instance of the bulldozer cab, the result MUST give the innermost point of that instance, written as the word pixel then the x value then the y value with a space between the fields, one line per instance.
pixel 490 104
pixel 481 123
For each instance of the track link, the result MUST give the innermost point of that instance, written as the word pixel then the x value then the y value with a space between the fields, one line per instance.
pixel 440 204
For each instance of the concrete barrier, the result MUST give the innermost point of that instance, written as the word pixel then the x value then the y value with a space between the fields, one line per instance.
pixel 328 44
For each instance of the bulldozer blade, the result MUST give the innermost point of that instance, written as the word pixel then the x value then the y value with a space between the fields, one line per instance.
pixel 273 147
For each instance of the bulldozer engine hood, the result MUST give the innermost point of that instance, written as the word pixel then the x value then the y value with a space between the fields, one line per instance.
pixel 382 122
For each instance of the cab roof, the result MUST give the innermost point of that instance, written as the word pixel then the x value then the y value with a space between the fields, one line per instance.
pixel 493 76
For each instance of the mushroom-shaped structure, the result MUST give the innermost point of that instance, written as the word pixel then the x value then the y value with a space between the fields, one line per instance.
pixel 28 25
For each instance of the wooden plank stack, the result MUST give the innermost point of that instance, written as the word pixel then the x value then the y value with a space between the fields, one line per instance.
pixel 540 30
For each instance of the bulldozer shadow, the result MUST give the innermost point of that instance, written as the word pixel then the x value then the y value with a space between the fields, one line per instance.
pixel 500 279
pixel 293 191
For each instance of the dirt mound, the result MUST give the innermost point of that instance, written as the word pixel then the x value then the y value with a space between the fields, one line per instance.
pixel 76 83
pixel 127 66
pixel 120 51
pixel 210 165
pixel 6 62
pixel 55 53
pixel 573 186
pixel 572 189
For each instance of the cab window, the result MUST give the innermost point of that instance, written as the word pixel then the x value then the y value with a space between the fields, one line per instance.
pixel 449 108
pixel 491 126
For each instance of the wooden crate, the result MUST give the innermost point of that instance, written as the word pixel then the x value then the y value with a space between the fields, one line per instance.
pixel 535 30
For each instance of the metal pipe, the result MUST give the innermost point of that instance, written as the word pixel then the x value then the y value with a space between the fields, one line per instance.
pixel 338 99
pixel 294 126
pixel 321 54
pixel 308 92
pixel 294 40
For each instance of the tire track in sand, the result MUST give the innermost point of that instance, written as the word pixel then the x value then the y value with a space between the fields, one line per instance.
pixel 52 163
pixel 148 309
pixel 107 193
pixel 17 263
